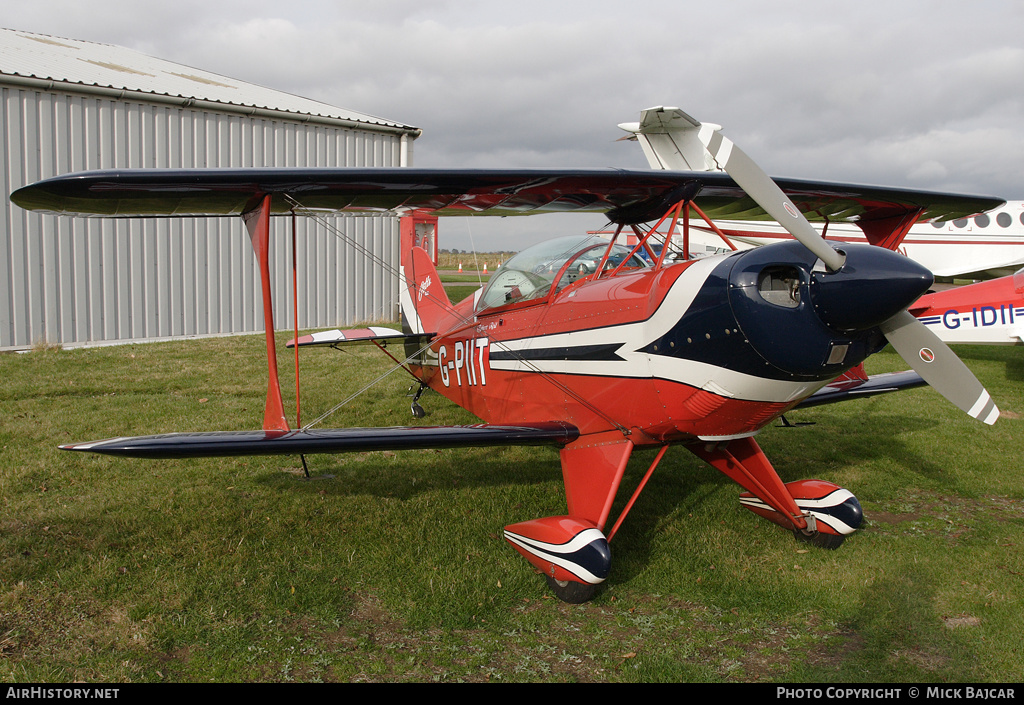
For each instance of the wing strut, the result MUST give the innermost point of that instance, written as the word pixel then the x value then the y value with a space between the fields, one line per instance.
pixel 295 314
pixel 257 222
pixel 715 228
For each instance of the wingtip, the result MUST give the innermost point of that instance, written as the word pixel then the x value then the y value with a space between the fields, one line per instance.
pixel 301 340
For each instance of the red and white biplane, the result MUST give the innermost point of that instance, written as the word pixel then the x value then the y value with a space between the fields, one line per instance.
pixel 590 345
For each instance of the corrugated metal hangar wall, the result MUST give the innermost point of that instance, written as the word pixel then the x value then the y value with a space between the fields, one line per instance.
pixel 77 281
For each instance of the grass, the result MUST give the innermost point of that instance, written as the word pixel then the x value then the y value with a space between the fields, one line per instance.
pixel 390 566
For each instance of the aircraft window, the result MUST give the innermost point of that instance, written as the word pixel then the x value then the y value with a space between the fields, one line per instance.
pixel 938 224
pixel 1022 218
pixel 982 221
pixel 780 286
pixel 961 223
pixel 1004 220
pixel 530 274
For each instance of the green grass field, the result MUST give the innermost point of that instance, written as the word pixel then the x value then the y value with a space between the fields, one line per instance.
pixel 391 566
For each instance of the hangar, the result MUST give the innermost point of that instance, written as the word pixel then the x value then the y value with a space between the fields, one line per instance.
pixel 70 105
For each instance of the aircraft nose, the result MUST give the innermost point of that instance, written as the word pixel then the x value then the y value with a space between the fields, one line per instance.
pixel 873 286
pixel 808 322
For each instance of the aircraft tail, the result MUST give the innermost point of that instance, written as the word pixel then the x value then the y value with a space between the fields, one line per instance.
pixel 673 140
pixel 422 296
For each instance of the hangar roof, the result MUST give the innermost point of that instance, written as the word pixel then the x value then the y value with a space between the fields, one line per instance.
pixel 86 65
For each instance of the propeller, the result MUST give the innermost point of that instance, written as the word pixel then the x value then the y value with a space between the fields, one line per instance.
pixel 674 140
pixel 759 186
pixel 939 366
pixel 919 347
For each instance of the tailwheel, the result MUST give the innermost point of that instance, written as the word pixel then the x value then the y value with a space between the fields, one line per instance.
pixel 417 410
pixel 571 591
pixel 820 539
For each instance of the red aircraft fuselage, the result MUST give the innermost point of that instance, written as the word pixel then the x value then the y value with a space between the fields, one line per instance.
pixel 658 354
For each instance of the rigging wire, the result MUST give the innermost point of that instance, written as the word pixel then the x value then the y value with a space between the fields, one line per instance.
pixel 464 321
pixel 371 384
pixel 472 245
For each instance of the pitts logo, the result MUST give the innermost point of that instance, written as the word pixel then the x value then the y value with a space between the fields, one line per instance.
pixel 469 360
pixel 423 289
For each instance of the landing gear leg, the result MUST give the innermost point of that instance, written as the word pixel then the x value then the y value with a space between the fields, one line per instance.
pixel 742 460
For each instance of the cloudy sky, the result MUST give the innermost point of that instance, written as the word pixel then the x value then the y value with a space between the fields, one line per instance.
pixel 916 93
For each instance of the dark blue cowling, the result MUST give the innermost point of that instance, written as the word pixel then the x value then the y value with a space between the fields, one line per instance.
pixel 874 285
pixel 809 322
pixel 795 320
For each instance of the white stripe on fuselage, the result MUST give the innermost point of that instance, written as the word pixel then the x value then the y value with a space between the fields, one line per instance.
pixel 635 336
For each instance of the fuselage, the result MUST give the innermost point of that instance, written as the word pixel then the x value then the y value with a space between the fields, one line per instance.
pixel 714 348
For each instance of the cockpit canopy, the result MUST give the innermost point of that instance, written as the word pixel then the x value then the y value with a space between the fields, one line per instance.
pixel 531 274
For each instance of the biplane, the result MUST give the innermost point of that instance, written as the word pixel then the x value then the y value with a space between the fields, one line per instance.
pixel 585 345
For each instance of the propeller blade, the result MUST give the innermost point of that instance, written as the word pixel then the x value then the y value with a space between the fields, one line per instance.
pixel 759 186
pixel 939 366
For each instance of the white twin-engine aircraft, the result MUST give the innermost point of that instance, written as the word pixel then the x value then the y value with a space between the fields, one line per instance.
pixel 984 246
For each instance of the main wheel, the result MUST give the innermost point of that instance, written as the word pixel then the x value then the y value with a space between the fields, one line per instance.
pixel 821 540
pixel 571 591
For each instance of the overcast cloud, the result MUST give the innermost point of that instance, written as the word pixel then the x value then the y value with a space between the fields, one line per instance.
pixel 921 94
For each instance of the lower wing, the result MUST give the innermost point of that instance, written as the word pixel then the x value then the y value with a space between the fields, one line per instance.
pixel 846 388
pixel 330 440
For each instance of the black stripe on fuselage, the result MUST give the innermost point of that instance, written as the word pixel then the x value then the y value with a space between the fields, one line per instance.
pixel 606 352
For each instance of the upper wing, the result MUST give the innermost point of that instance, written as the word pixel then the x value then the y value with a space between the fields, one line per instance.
pixel 625 196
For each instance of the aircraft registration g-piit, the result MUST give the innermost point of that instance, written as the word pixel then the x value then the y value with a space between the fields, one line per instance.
pixel 587 344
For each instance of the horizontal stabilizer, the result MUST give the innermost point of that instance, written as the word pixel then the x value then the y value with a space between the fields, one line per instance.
pixel 845 389
pixel 671 139
pixel 329 440
pixel 357 336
